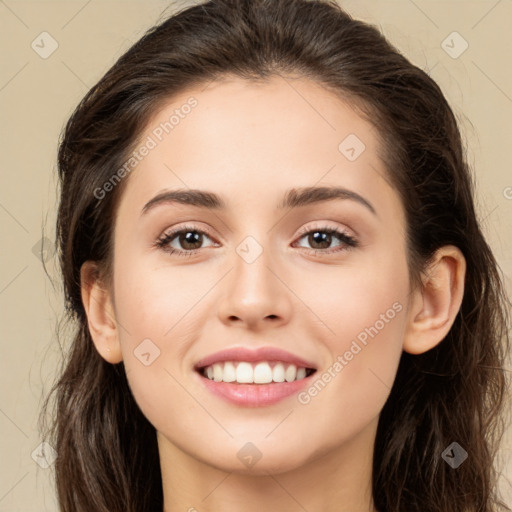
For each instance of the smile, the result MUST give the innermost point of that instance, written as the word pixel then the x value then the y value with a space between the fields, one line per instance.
pixel 252 377
pixel 254 385
pixel 266 372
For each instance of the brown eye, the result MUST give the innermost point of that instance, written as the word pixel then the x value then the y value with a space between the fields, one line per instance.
pixel 183 242
pixel 190 242
pixel 322 238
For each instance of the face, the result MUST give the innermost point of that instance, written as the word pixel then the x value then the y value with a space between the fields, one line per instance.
pixel 324 280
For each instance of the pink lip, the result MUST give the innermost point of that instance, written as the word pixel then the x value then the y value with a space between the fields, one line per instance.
pixel 254 355
pixel 254 395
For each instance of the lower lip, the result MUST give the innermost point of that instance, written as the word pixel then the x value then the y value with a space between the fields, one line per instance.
pixel 254 395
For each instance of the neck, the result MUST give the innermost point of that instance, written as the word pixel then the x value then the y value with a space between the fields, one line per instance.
pixel 338 480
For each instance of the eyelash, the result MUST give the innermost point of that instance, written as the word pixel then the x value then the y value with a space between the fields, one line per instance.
pixel 163 242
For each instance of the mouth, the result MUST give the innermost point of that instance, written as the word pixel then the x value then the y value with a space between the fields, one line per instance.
pixel 254 377
pixel 257 373
pixel 254 384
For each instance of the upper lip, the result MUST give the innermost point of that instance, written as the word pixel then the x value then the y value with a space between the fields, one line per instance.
pixel 254 355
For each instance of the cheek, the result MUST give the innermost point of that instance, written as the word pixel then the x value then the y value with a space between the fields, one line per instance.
pixel 362 300
pixel 158 312
pixel 365 352
pixel 154 301
pixel 364 310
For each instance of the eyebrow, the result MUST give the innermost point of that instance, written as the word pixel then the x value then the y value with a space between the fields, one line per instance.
pixel 293 198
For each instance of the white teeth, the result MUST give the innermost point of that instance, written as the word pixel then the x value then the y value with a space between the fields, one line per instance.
pixel 254 373
pixel 291 373
pixel 262 374
pixel 244 373
pixel 301 373
pixel 229 372
pixel 278 373
pixel 217 372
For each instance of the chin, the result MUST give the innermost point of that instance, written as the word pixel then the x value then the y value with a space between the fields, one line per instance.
pixel 249 461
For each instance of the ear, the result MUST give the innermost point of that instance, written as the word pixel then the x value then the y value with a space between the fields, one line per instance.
pixel 435 304
pixel 98 305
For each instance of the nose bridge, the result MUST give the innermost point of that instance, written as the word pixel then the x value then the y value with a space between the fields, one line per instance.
pixel 254 292
pixel 251 270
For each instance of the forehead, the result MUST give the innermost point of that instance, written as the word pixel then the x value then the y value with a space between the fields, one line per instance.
pixel 246 138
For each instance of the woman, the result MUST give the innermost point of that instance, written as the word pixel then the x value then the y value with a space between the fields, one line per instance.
pixel 334 338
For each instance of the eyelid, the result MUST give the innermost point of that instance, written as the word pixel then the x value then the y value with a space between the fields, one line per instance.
pixel 323 225
pixel 347 239
pixel 173 232
pixel 303 231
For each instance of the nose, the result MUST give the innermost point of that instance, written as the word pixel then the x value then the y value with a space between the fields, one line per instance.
pixel 255 293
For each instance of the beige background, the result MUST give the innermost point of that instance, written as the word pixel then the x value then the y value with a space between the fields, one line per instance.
pixel 37 95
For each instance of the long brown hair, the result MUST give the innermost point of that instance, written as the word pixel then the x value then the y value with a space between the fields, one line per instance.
pixel 107 451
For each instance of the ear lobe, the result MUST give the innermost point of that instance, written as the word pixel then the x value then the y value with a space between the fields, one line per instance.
pixel 100 313
pixel 435 305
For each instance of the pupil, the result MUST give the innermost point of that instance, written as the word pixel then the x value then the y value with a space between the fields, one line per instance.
pixel 319 237
pixel 191 237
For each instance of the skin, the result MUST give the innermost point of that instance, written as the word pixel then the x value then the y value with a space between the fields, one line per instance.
pixel 250 143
